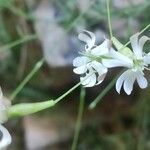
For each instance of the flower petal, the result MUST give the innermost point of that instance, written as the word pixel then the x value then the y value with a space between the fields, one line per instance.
pixel 142 41
pixel 89 81
pixel 111 63
pixel 92 81
pixel 128 82
pixel 120 81
pixel 101 70
pixel 85 81
pixel 142 81
pixel 6 138
pixel 79 61
pixel 101 49
pixel 80 70
pixel 124 59
pixel 147 59
pixel 87 37
pixel 135 45
pixel 101 78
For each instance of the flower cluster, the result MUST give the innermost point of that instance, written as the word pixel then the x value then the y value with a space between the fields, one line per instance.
pixel 96 59
pixel 89 65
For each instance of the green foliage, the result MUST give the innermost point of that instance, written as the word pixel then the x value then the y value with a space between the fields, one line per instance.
pixel 5 3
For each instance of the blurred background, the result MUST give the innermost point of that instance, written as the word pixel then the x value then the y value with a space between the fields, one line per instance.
pixel 32 29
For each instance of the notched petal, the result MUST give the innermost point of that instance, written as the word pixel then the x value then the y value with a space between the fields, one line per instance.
pixel 101 49
pixel 80 70
pixel 88 38
pixel 143 40
pixel 142 81
pixel 101 78
pixel 6 138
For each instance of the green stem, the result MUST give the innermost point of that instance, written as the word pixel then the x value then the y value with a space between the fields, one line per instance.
pixel 19 12
pixel 139 32
pixel 109 18
pixel 79 119
pixel 102 94
pixel 17 42
pixel 75 21
pixel 72 89
pixel 145 29
pixel 37 66
pixel 30 108
pixel 68 92
pixel 24 109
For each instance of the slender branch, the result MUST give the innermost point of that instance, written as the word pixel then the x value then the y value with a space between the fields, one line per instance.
pixel 17 42
pixel 68 92
pixel 37 66
pixel 72 89
pixel 103 93
pixel 79 119
pixel 143 30
pixel 24 109
pixel 109 18
pixel 111 84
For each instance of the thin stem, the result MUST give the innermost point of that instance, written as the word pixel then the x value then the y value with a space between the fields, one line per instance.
pixel 37 66
pixel 72 89
pixel 68 92
pixel 17 42
pixel 30 108
pixel 139 32
pixel 102 94
pixel 109 18
pixel 73 23
pixel 79 119
pixel 145 29
pixel 19 12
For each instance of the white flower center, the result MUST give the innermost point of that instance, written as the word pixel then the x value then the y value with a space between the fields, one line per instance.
pixel 138 64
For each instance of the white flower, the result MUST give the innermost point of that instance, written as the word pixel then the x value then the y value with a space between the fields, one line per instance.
pixel 5 138
pixel 135 61
pixel 90 63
